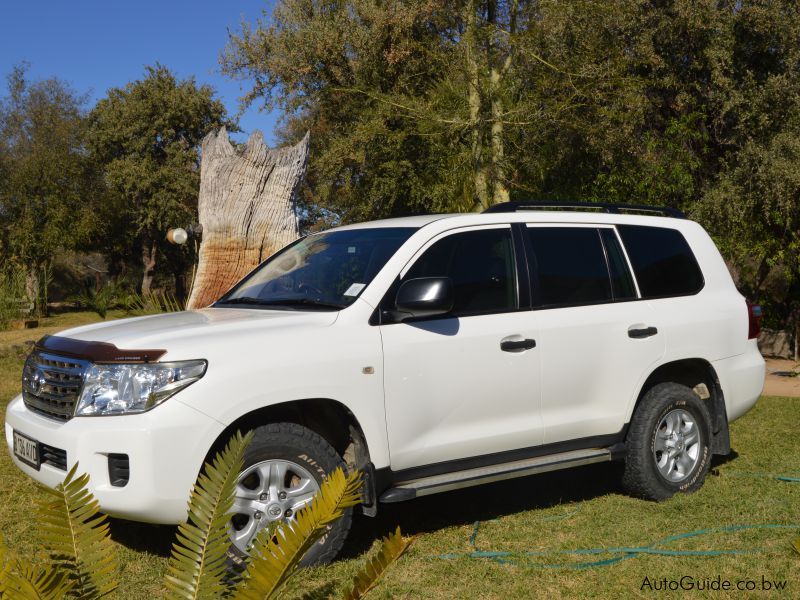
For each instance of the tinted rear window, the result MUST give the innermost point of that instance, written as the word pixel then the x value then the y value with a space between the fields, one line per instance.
pixel 662 261
pixel 570 266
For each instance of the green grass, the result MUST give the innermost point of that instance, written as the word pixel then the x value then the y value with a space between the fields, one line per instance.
pixel 578 509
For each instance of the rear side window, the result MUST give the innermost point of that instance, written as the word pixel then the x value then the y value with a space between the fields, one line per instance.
pixel 662 261
pixel 570 266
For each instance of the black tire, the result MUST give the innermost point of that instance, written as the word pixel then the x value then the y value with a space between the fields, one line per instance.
pixel 642 476
pixel 297 444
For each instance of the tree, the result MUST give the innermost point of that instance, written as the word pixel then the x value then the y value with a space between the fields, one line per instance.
pixel 427 106
pixel 424 106
pixel 753 202
pixel 147 136
pixel 246 208
pixel 48 184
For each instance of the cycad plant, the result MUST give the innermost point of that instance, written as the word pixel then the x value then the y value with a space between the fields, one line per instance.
pixel 154 302
pixel 99 300
pixel 82 559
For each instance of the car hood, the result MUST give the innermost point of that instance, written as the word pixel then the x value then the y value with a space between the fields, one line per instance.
pixel 193 332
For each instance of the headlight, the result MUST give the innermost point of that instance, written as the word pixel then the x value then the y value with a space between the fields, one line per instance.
pixel 134 388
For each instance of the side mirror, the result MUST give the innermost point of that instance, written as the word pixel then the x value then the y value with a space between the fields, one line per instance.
pixel 424 297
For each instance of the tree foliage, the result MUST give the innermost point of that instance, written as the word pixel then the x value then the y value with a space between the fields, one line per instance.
pixel 423 106
pixel 147 136
pixel 48 184
pixel 427 106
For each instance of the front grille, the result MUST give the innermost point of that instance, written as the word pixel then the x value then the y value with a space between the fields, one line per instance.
pixel 55 457
pixel 52 384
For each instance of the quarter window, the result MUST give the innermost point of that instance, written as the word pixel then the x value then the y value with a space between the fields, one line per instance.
pixel 621 280
pixel 481 266
pixel 662 261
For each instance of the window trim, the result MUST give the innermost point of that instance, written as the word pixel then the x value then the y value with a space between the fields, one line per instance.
pixel 533 267
pixel 627 264
pixel 377 316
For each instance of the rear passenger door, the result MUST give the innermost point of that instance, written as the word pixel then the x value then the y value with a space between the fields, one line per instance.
pixel 595 337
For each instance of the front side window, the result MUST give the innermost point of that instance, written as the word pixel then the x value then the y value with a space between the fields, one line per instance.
pixel 322 271
pixel 570 266
pixel 662 261
pixel 481 267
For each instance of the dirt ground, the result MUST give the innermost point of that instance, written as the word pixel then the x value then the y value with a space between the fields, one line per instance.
pixel 781 385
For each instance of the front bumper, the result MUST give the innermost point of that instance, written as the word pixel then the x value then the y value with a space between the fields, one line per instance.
pixel 166 447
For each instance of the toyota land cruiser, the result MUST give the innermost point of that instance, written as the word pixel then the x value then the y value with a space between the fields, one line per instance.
pixel 431 352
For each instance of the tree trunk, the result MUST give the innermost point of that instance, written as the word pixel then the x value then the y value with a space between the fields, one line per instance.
pixel 149 250
pixel 476 118
pixel 500 66
pixel 180 287
pixel 246 207
pixel 32 284
pixel 488 63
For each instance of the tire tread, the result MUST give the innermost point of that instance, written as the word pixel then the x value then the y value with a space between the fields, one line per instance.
pixel 293 435
pixel 639 476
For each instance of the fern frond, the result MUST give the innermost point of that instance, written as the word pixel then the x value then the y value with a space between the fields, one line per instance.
pixel 76 535
pixel 197 566
pixel 392 548
pixel 5 568
pixel 275 558
pixel 36 582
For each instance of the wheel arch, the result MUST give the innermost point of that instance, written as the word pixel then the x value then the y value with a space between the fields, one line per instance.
pixel 327 417
pixel 699 375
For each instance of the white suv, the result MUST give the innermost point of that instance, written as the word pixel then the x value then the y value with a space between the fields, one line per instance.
pixel 432 352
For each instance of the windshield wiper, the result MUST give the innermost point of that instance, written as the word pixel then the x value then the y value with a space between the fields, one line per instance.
pixel 302 302
pixel 288 302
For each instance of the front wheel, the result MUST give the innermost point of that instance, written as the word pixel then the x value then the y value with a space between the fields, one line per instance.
pixel 668 443
pixel 283 468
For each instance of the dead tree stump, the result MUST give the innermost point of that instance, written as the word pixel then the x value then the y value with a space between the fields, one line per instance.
pixel 246 207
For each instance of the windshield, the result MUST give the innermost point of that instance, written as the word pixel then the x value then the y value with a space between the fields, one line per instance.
pixel 322 271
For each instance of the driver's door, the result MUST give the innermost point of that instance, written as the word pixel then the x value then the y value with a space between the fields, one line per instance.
pixel 451 392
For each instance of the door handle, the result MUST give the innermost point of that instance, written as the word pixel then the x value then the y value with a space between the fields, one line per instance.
pixel 517 345
pixel 642 332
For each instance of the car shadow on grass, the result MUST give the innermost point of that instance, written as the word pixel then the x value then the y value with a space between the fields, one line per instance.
pixel 485 502
pixel 143 537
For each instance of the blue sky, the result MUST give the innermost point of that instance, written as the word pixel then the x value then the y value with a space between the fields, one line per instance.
pixel 97 45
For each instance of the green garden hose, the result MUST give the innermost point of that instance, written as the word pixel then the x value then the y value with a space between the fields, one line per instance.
pixel 624 553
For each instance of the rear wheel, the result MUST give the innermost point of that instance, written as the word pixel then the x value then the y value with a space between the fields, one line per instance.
pixel 284 467
pixel 668 443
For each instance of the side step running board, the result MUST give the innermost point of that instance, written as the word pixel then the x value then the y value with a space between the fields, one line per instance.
pixel 519 468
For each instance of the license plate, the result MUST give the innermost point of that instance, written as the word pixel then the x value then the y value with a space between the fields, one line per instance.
pixel 26 449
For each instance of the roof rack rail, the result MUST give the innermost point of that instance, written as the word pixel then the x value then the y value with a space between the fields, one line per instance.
pixel 605 207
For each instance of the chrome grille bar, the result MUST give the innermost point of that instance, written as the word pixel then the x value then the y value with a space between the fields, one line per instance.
pixel 51 384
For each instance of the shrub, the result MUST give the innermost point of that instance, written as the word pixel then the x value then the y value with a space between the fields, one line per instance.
pixel 13 299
